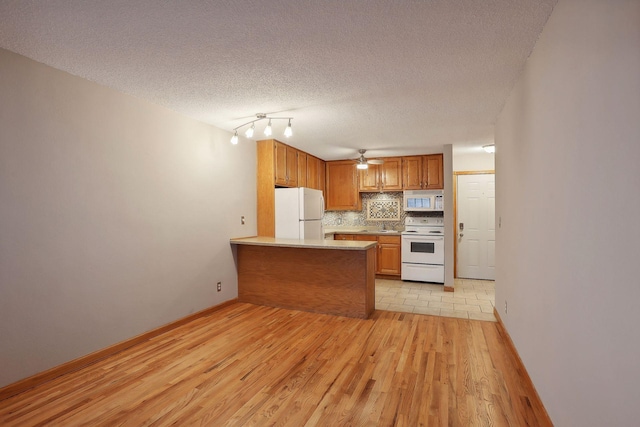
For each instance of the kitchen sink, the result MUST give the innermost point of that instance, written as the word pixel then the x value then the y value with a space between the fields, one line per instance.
pixel 388 231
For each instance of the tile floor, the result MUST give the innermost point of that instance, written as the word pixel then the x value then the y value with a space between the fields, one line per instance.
pixel 471 299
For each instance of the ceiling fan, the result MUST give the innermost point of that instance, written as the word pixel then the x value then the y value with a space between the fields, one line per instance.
pixel 363 162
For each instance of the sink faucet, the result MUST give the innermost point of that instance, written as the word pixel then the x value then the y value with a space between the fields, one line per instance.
pixel 384 225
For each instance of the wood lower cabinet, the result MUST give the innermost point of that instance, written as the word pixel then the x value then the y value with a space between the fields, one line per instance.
pixel 343 236
pixel 423 172
pixel 388 255
pixel 365 237
pixel 342 186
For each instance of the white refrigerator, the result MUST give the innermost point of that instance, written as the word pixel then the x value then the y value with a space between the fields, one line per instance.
pixel 299 213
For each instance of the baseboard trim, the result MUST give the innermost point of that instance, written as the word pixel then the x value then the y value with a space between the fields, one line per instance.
pixel 83 361
pixel 448 288
pixel 512 349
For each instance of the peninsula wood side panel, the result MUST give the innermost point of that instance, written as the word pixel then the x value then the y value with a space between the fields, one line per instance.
pixel 330 281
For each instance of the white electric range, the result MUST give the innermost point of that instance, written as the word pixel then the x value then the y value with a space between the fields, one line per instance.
pixel 423 249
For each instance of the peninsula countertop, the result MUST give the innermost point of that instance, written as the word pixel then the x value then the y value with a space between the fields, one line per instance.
pixel 307 243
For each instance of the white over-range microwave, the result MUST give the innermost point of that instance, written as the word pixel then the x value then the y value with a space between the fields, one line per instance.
pixel 423 200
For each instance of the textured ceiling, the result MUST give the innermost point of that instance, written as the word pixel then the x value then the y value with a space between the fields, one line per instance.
pixel 395 77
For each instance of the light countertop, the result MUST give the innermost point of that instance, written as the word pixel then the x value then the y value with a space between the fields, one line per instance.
pixel 315 244
pixel 361 230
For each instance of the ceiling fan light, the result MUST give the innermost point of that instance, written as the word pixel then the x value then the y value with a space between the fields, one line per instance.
pixel 491 148
pixel 287 132
pixel 362 163
pixel 267 130
pixel 249 132
pixel 234 138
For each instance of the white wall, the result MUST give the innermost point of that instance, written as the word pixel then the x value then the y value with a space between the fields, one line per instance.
pixel 115 216
pixel 568 194
pixel 449 222
pixel 478 161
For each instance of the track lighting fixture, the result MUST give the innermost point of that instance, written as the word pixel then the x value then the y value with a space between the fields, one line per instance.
pixel 267 131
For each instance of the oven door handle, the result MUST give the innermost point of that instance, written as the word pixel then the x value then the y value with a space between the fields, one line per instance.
pixel 423 239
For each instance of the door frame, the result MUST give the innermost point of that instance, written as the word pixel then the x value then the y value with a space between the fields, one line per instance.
pixel 455 212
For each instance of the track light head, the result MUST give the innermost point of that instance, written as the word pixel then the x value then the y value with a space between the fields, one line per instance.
pixel 249 132
pixel 288 132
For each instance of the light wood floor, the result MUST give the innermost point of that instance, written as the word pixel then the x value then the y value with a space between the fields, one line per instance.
pixel 252 365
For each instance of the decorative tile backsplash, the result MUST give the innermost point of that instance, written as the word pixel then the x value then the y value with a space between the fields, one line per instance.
pixel 385 212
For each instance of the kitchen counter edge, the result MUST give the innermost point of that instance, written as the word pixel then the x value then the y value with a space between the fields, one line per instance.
pixel 293 243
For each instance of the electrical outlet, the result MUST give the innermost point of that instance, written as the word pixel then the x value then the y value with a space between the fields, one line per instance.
pixel 219 286
pixel 242 220
pixel 505 307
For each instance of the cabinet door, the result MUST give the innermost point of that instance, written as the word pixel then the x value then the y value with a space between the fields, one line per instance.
pixel 322 177
pixel 391 174
pixel 342 237
pixel 313 175
pixel 433 172
pixel 280 164
pixel 292 167
pixel 369 179
pixel 302 169
pixel 365 237
pixel 342 186
pixel 389 261
pixel 388 256
pixel 412 173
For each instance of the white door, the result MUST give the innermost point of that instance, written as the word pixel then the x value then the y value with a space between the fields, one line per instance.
pixel 476 231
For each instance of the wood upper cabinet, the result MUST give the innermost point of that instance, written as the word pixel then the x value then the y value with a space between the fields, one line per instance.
pixel 286 165
pixel 303 164
pixel 322 169
pixel 391 174
pixel 423 172
pixel 342 186
pixel 412 172
pixel 315 173
pixel 369 179
pixel 384 177
pixel 433 172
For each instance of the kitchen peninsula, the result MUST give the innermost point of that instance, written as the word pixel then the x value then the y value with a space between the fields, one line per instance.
pixel 320 276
